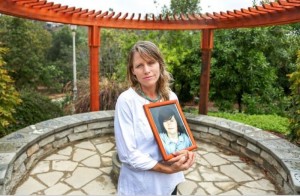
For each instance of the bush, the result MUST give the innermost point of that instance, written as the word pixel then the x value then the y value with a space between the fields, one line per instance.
pixel 274 104
pixel 110 90
pixel 33 109
pixel 273 123
pixel 82 102
pixel 294 112
pixel 9 97
pixel 224 105
pixel 266 122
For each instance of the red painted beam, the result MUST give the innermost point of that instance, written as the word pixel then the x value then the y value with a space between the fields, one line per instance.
pixel 94 44
pixel 206 47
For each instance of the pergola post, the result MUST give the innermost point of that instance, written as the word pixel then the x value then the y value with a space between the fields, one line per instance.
pixel 206 47
pixel 94 44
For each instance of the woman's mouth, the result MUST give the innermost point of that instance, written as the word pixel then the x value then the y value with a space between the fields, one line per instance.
pixel 147 78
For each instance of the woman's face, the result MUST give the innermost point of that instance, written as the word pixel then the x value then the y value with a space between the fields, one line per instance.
pixel 170 125
pixel 146 71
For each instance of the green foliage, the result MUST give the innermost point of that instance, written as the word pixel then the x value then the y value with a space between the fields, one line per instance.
pixel 110 51
pixel 27 42
pixel 51 77
pixel 272 103
pixel 60 56
pixel 280 49
pixel 187 6
pixel 33 109
pixel 61 47
pixel 185 67
pixel 244 71
pixel 182 52
pixel 272 123
pixel 294 112
pixel 9 97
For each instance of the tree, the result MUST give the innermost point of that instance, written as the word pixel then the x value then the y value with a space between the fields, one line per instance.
pixel 183 57
pixel 241 73
pixel 60 55
pixel 184 7
pixel 27 42
pixel 9 97
pixel 188 6
pixel 280 49
pixel 294 112
pixel 182 52
pixel 111 55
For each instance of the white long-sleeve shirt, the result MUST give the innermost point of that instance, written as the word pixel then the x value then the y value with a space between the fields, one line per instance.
pixel 138 150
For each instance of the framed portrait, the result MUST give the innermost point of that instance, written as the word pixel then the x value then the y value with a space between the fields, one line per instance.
pixel 170 128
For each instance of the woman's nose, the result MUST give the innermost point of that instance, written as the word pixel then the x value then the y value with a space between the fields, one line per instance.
pixel 146 69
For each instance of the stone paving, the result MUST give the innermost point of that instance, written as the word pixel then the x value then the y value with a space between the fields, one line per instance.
pixel 84 169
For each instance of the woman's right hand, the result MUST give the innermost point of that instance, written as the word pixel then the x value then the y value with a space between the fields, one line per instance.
pixel 183 160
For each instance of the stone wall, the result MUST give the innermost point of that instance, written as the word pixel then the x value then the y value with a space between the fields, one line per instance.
pixel 280 158
pixel 21 150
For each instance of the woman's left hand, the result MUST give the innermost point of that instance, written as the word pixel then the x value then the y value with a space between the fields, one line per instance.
pixel 188 158
pixel 181 161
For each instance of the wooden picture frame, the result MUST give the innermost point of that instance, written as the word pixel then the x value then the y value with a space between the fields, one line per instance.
pixel 161 116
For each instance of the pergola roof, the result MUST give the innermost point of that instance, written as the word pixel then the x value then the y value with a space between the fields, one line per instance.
pixel 275 13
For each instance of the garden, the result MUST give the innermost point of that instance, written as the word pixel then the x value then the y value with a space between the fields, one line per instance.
pixel 255 73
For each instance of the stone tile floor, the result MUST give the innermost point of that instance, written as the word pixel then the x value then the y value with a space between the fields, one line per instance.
pixel 84 169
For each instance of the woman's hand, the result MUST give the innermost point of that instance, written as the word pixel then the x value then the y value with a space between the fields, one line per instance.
pixel 183 160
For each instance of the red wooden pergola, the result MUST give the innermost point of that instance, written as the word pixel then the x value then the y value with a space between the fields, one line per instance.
pixel 275 13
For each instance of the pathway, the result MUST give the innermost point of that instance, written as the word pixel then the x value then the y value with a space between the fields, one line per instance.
pixel 84 169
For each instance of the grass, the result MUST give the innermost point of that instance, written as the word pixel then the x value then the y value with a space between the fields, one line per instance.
pixel 272 123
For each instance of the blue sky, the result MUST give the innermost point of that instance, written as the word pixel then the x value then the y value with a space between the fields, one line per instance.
pixel 147 6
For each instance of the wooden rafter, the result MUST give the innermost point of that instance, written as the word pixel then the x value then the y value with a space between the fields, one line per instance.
pixel 46 5
pixel 124 16
pixel 281 12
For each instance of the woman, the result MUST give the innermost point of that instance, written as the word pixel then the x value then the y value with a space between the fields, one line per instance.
pixel 173 137
pixel 143 171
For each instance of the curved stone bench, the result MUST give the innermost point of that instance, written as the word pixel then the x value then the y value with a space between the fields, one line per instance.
pixel 21 150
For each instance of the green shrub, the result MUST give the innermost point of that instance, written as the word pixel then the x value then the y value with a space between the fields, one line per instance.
pixel 294 112
pixel 273 123
pixel 33 109
pixel 266 122
pixel 274 103
pixel 9 97
pixel 224 105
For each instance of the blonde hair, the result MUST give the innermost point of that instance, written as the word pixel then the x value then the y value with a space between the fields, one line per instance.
pixel 149 50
